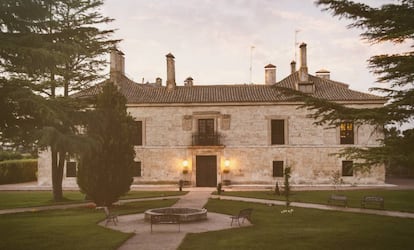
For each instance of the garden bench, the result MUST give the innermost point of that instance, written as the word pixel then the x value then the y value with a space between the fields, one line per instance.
pixel 372 200
pixel 338 199
pixel 166 219
pixel 243 214
pixel 109 216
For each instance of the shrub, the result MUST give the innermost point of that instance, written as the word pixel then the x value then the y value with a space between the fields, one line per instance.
pixel 8 155
pixel 17 171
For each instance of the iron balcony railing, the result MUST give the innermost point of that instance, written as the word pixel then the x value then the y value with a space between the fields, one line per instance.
pixel 206 140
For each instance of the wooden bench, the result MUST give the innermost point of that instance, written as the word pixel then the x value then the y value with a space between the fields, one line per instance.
pixel 338 199
pixel 378 200
pixel 166 219
pixel 244 214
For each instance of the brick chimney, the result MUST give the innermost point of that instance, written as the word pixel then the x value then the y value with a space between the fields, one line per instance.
pixel 292 67
pixel 170 71
pixel 189 81
pixel 117 65
pixel 303 70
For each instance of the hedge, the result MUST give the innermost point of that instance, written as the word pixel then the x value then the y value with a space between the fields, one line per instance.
pixel 17 171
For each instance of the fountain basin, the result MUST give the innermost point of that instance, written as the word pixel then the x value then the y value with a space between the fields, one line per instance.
pixel 186 214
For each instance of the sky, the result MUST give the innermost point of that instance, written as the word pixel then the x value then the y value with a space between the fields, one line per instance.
pixel 212 40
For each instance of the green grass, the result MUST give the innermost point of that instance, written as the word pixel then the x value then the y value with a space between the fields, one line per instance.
pixel 397 200
pixel 67 229
pixel 17 199
pixel 304 229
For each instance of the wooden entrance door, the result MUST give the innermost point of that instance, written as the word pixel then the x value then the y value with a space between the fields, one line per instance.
pixel 206 171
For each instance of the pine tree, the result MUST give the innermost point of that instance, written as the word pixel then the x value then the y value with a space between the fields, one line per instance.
pixel 105 173
pixel 388 23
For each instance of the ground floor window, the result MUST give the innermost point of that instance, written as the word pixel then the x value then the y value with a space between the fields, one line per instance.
pixel 347 168
pixel 137 169
pixel 277 168
pixel 70 169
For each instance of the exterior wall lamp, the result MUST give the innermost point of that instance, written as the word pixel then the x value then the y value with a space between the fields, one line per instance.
pixel 185 167
pixel 226 169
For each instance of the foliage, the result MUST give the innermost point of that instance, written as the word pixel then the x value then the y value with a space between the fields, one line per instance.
pixel 10 155
pixel 337 179
pixel 105 173
pixel 17 171
pixel 277 190
pixel 219 188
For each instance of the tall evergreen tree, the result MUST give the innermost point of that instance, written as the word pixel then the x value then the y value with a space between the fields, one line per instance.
pixel 105 173
pixel 389 23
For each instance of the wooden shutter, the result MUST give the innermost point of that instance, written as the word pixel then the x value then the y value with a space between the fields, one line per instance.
pixel 277 168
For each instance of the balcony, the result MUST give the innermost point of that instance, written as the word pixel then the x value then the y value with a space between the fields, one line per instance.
pixel 206 140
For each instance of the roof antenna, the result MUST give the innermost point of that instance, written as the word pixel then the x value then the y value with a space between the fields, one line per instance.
pixel 296 42
pixel 251 60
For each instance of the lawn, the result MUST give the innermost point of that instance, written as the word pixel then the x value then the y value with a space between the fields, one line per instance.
pixel 397 200
pixel 67 229
pixel 304 229
pixel 17 199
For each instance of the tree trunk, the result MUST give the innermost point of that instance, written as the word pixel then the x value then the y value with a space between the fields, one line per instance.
pixel 58 162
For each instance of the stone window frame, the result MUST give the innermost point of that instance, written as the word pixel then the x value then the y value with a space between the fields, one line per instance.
pixel 273 168
pixel 140 168
pixel 269 129
pixel 143 131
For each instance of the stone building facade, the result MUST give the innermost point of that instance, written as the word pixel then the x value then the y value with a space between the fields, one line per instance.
pixel 237 134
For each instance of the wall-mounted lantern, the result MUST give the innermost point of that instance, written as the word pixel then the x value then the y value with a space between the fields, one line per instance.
pixel 185 167
pixel 226 169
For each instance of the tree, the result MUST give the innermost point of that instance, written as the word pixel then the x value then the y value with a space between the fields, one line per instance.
pixel 388 23
pixel 105 173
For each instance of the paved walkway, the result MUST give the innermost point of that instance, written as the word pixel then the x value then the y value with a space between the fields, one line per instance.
pixel 167 237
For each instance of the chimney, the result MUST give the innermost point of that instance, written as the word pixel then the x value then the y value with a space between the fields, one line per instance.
pixel 189 81
pixel 292 67
pixel 117 62
pixel 323 73
pixel 158 81
pixel 170 71
pixel 270 74
pixel 303 70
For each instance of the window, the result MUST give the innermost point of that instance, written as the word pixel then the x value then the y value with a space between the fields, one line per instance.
pixel 70 169
pixel 277 168
pixel 278 132
pixel 137 136
pixel 346 131
pixel 347 168
pixel 137 169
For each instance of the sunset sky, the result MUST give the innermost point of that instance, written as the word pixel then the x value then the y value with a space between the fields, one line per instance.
pixel 212 40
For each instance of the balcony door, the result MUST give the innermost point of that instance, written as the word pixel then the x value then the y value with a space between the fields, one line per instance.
pixel 206 171
pixel 206 135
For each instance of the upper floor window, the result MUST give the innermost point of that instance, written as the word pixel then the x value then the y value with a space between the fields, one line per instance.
pixel 137 136
pixel 278 132
pixel 346 132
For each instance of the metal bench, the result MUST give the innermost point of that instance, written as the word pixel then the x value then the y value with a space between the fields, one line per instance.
pixel 244 214
pixel 109 216
pixel 166 219
pixel 378 200
pixel 338 199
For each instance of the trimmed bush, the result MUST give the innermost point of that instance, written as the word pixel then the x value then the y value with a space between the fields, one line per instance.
pixel 17 171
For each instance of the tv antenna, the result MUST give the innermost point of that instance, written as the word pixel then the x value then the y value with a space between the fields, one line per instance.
pixel 296 41
pixel 251 62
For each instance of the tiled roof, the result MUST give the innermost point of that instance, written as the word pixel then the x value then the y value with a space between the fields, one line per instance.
pixel 247 93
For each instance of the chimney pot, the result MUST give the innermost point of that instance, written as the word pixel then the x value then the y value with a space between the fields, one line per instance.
pixel 189 81
pixel 270 74
pixel 158 81
pixel 292 67
pixel 170 71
